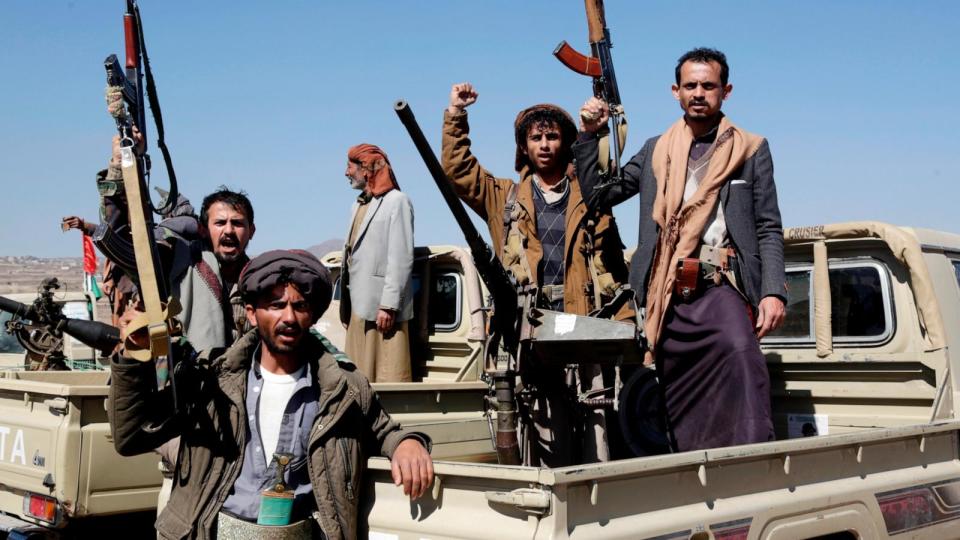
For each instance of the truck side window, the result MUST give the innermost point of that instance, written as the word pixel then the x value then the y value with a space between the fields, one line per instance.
pixel 860 302
pixel 445 301
pixel 956 270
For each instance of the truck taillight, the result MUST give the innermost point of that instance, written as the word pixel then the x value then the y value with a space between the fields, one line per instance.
pixel 40 507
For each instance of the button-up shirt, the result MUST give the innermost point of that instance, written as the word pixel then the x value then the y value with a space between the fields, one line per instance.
pixel 257 472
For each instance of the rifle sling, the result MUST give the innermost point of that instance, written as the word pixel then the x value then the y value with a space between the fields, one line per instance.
pixel 146 270
pixel 171 199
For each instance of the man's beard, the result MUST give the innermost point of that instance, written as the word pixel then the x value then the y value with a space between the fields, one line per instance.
pixel 358 183
pixel 233 257
pixel 271 344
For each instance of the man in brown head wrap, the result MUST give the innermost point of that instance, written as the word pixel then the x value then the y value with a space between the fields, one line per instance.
pixel 278 400
pixel 376 284
pixel 545 236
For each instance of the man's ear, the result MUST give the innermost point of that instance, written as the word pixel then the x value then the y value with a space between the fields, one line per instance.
pixel 251 315
pixel 204 231
pixel 676 91
pixel 726 90
pixel 253 230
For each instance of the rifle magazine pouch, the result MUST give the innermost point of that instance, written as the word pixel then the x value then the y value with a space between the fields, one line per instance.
pixel 607 285
pixel 513 259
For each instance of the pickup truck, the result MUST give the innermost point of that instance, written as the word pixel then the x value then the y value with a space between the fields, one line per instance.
pixel 863 391
pixel 863 394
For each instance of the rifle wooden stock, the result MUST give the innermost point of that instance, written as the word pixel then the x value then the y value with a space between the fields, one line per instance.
pixel 596 22
pixel 130 38
pixel 599 66
pixel 580 63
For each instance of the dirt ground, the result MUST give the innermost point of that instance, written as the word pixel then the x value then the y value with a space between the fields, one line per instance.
pixel 25 274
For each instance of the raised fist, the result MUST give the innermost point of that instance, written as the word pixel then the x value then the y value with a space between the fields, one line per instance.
pixel 594 115
pixel 462 96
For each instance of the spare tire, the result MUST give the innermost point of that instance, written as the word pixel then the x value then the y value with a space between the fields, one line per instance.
pixel 642 414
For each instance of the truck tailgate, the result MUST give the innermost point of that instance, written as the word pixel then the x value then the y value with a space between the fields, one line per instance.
pixel 55 441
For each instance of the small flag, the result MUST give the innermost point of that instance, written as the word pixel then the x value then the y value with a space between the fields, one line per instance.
pixel 90 268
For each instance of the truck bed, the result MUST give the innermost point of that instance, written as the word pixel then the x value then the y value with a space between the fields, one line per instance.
pixel 906 478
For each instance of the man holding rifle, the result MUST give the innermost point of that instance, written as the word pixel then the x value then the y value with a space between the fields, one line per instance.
pixel 709 265
pixel 545 236
pixel 203 265
pixel 276 429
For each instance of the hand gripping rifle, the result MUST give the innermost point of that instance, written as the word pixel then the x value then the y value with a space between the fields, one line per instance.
pixel 40 326
pixel 135 165
pixel 599 66
pixel 520 333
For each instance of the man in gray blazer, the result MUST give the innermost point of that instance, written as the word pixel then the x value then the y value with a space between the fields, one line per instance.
pixel 376 286
pixel 709 266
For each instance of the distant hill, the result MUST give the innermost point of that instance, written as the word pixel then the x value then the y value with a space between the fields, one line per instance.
pixel 23 274
pixel 321 249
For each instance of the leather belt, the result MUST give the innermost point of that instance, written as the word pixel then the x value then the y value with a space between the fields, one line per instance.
pixel 695 275
pixel 232 527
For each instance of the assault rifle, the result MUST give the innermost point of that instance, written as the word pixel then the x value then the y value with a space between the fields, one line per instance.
pixel 40 327
pixel 135 164
pixel 599 66
pixel 519 332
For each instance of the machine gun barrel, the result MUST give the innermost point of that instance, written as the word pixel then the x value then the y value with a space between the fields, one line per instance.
pixel 17 309
pixel 488 266
pixel 505 332
pixel 102 337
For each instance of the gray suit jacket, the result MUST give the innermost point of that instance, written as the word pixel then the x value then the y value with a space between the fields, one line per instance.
pixel 750 208
pixel 381 262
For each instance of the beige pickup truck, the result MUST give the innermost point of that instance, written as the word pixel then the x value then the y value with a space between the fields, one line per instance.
pixel 863 392
pixel 865 378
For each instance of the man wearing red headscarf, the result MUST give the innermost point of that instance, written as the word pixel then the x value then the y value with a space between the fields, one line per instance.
pixel 376 299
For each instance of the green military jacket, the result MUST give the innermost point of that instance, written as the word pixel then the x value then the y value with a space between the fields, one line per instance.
pixel 350 425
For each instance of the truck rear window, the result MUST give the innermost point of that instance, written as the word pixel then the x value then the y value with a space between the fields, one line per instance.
pixel 445 301
pixel 860 304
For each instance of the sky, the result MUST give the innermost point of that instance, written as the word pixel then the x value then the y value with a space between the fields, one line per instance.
pixel 857 99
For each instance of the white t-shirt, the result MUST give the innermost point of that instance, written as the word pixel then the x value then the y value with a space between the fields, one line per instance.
pixel 274 397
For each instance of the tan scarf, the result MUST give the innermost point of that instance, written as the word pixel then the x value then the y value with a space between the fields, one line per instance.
pixel 681 224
